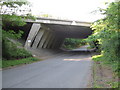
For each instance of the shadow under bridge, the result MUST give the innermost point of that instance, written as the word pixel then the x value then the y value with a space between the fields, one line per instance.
pixel 49 35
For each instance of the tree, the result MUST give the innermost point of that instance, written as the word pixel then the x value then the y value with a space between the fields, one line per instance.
pixel 107 31
pixel 13 12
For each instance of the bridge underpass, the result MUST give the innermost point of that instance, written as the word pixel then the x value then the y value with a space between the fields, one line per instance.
pixel 58 70
pixel 51 34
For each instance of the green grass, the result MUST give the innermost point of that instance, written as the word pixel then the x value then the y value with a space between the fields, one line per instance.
pixel 0 63
pixel 113 84
pixel 90 47
pixel 97 57
pixel 113 64
pixel 8 63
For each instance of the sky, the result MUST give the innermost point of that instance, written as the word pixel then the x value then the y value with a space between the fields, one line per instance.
pixel 79 10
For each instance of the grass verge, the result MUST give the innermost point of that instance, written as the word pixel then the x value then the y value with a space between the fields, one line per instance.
pixel 9 63
pixel 105 73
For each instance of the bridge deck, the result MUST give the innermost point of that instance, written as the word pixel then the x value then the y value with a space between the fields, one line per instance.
pixel 58 21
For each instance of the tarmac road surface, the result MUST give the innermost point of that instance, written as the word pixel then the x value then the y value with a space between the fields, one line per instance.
pixel 65 70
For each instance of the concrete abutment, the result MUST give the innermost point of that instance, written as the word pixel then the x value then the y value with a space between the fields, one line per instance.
pixel 41 36
pixel 51 35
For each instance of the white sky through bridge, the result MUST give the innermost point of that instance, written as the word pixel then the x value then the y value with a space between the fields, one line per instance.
pixel 69 9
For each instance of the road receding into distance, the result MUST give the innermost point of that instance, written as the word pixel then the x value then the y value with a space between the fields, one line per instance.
pixel 65 70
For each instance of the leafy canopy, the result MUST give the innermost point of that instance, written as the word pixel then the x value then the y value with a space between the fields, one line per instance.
pixel 107 31
pixel 14 12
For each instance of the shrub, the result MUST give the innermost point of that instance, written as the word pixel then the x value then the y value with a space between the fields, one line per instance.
pixel 10 17
pixel 10 51
pixel 107 32
pixel 73 43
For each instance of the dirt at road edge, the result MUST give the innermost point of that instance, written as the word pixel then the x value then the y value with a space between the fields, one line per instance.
pixel 102 76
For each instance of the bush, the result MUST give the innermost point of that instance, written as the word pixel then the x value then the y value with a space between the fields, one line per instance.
pixel 114 64
pixel 10 51
pixel 107 32
pixel 73 43
pixel 10 18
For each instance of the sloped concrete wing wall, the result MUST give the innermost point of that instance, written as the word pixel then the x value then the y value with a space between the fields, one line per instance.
pixel 40 36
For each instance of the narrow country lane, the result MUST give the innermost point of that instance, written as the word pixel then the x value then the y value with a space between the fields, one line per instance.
pixel 66 70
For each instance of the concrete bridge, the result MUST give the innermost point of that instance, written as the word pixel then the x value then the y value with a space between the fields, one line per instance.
pixel 50 33
pixel 58 69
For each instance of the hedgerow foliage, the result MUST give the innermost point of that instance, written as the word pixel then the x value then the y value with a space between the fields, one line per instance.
pixel 73 43
pixel 13 12
pixel 107 32
pixel 10 49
